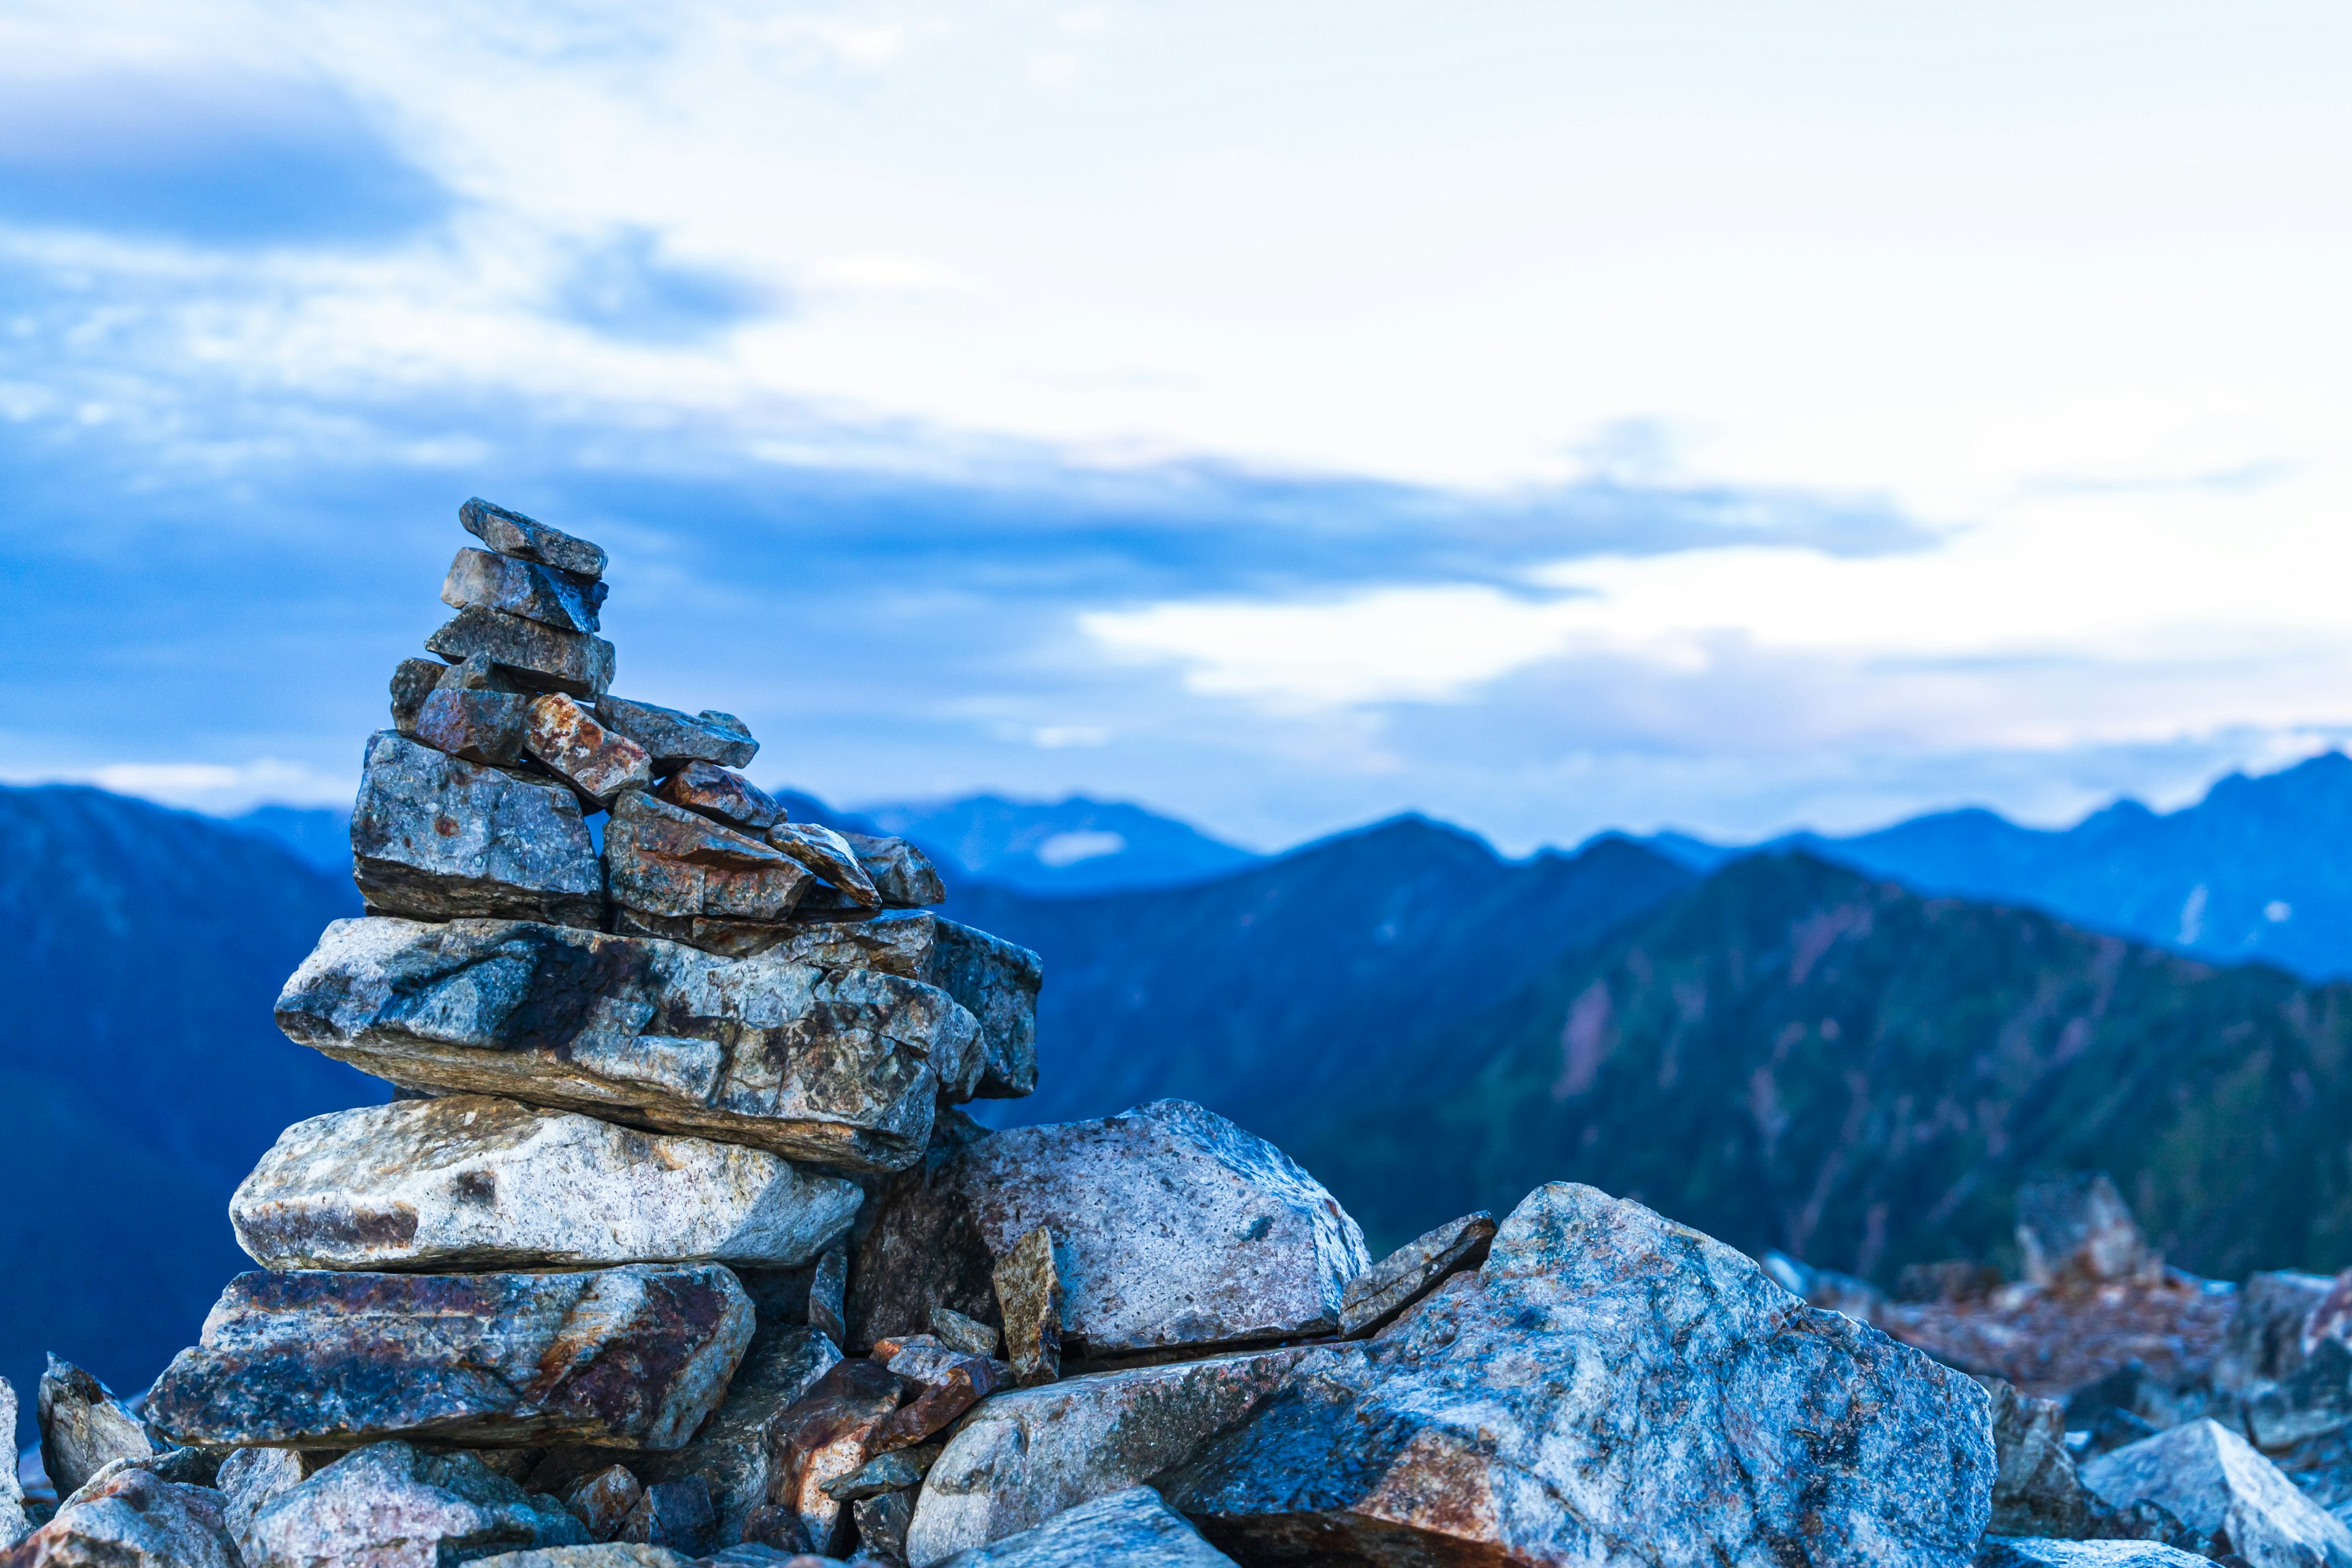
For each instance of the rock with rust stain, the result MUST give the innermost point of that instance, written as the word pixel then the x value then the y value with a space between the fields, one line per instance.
pixel 1608 1388
pixel 1378 1296
pixel 590 758
pixel 468 1182
pixel 1025 1456
pixel 1171 1228
pixel 1028 1289
pixel 723 795
pixel 950 1386
pixel 483 727
pixel 902 874
pixel 548 594
pixel 840 1068
pixel 534 656
pixel 437 838
pixel 1127 1528
pixel 665 860
pixel 132 1519
pixel 675 738
pixel 84 1427
pixel 389 1503
pixel 824 1438
pixel 527 539
pixel 633 1357
pixel 2217 1484
pixel 827 853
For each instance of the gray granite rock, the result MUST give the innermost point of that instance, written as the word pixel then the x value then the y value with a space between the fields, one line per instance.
pixel 827 853
pixel 968 1336
pixel 666 861
pixel 437 838
pixel 13 1522
pixel 547 595
pixel 1025 1456
pixel 412 680
pixel 675 739
pixel 722 794
pixel 485 726
pixel 1127 1529
pixel 1608 1387
pixel 839 1068
pixel 478 672
pixel 84 1427
pixel 2219 1485
pixel 1375 1297
pixel 527 539
pixel 2030 1552
pixel 1171 1228
pixel 528 652
pixel 1028 1289
pixel 250 1480
pixel 389 1503
pixel 2035 1490
pixel 470 1182
pixel 631 1357
pixel 134 1518
pixel 590 758
pixel 902 874
pixel 2265 1342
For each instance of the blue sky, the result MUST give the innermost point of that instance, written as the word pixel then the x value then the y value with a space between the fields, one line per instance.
pixel 1548 417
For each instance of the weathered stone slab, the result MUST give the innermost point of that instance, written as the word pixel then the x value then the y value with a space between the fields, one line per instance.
pixel 631 1357
pixel 485 726
pixel 437 838
pixel 598 764
pixel 528 652
pixel 1609 1387
pixel 827 853
pixel 468 1182
pixel 722 794
pixel 840 1068
pixel 547 595
pixel 134 1518
pixel 527 539
pixel 1029 1303
pixel 1025 1456
pixel 675 738
pixel 412 680
pixel 2031 1552
pixel 84 1427
pixel 1128 1529
pixel 2219 1485
pixel 902 874
pixel 1375 1297
pixel 666 861
pixel 388 1503
pixel 1172 1226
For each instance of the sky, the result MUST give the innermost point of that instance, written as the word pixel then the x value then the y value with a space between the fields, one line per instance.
pixel 1550 418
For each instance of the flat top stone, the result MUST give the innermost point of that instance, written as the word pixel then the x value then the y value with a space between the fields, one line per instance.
pixel 676 738
pixel 527 539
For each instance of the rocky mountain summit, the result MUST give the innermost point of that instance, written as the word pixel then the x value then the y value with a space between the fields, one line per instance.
pixel 677 1247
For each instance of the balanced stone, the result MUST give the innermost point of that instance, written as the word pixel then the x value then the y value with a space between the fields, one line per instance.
pixel 668 861
pixel 675 739
pixel 902 874
pixel 132 1519
pixel 412 680
pixel 841 1068
pixel 1172 1226
pixel 598 764
pixel 388 1503
pixel 1128 1529
pixel 468 1181
pixel 528 652
pixel 1376 1296
pixel 2217 1484
pixel 476 726
pixel 1608 1387
pixel 631 1357
pixel 84 1427
pixel 827 853
pixel 527 538
pixel 723 795
pixel 439 838
pixel 547 595
pixel 1029 1299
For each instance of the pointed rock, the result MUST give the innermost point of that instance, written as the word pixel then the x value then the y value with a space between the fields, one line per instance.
pixel 597 763
pixel 469 1183
pixel 723 795
pixel 547 595
pixel 827 853
pixel 134 1518
pixel 665 860
pixel 1129 1529
pixel 675 739
pixel 527 539
pixel 84 1427
pixel 437 838
pixel 1028 1288
pixel 903 874
pixel 2035 1491
pixel 2219 1485
pixel 1375 1297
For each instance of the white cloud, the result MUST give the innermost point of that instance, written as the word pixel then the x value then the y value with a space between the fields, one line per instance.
pixel 218 787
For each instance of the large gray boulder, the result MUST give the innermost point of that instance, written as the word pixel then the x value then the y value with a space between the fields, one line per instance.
pixel 388 1504
pixel 1171 1228
pixel 84 1427
pixel 470 1182
pixel 1128 1529
pixel 1608 1388
pixel 2215 1482
pixel 438 839
pixel 132 1519
pixel 841 1068
pixel 1022 1458
pixel 633 1357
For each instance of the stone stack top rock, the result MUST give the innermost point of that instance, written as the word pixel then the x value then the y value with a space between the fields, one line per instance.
pixel 522 538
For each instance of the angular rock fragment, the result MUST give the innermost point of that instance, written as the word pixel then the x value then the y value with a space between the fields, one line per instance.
pixel 948 1392
pixel 1128 1529
pixel 882 1526
pixel 388 1503
pixel 723 795
pixel 252 1478
pixel 827 853
pixel 2035 1490
pixel 902 874
pixel 901 1469
pixel 1028 1289
pixel 134 1518
pixel 2031 1552
pixel 527 538
pixel 631 1357
pixel 1025 1456
pixel 1835 1292
pixel 527 652
pixel 412 680
pixel 485 726
pixel 840 1068
pixel 469 1183
pixel 1613 1385
pixel 1375 1297
pixel 437 838
pixel 676 1514
pixel 597 763
pixel 1170 1225
pixel 605 1501
pixel 2074 1230
pixel 967 1335
pixel 666 861
pixel 827 1287
pixel 2217 1485
pixel 823 1438
pixel 84 1427
pixel 547 595
pixel 675 738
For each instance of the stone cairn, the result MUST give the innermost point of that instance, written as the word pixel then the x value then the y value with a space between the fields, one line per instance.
pixel 675 1244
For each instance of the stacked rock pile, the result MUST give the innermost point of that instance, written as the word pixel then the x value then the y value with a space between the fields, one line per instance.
pixel 676 1246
